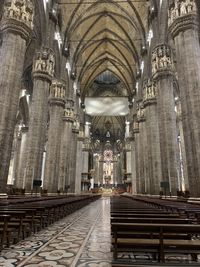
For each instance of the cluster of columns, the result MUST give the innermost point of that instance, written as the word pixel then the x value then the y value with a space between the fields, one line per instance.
pixel 164 139
pixel 47 147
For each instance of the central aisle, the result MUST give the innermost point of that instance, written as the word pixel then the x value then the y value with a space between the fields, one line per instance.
pixel 80 240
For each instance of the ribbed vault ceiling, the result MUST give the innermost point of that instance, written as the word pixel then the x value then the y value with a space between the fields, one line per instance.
pixel 105 37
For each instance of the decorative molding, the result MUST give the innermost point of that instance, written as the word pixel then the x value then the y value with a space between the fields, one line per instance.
pixel 184 23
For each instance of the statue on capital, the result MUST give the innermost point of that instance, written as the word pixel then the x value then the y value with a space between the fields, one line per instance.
pixel 161 59
pixel 21 10
pixel 45 62
pixel 181 8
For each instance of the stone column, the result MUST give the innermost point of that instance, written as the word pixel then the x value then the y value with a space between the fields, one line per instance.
pixel 115 169
pixel 142 139
pixel 85 161
pixel 184 28
pixel 14 156
pixel 133 167
pixel 184 183
pixel 137 161
pixel 153 138
pixel 43 72
pixel 17 151
pixel 163 75
pixel 79 160
pixel 96 169
pixel 66 132
pixel 101 172
pixel 21 171
pixel 56 107
pixel 16 27
pixel 73 155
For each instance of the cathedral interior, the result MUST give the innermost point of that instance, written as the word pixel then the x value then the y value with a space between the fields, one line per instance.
pixel 98 98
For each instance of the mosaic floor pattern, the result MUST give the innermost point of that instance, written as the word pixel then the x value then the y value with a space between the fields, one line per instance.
pixel 80 240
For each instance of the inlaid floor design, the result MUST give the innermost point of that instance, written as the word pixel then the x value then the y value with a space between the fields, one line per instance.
pixel 81 239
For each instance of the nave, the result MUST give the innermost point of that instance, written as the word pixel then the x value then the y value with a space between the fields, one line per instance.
pixel 83 239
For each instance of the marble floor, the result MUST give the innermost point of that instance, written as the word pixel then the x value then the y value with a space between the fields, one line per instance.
pixel 82 239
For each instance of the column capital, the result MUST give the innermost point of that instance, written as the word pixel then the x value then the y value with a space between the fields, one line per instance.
pixel 136 127
pixel 69 115
pixel 162 61
pixel 141 112
pixel 76 125
pixel 149 93
pixel 81 136
pixel 86 145
pixel 57 93
pixel 44 64
pixel 182 16
pixel 18 17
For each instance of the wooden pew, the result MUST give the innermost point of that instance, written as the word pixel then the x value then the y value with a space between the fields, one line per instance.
pixel 28 215
pixel 159 246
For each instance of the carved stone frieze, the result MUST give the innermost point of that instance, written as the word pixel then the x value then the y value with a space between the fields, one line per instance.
pixel 162 61
pixel 149 93
pixel 181 8
pixel 44 63
pixel 18 17
pixel 57 93
pixel 69 115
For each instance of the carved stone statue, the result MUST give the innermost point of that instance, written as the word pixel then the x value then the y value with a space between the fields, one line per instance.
pixel 183 9
pixel 191 6
pixel 21 10
pixel 45 62
pixel 161 59
pixel 57 90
